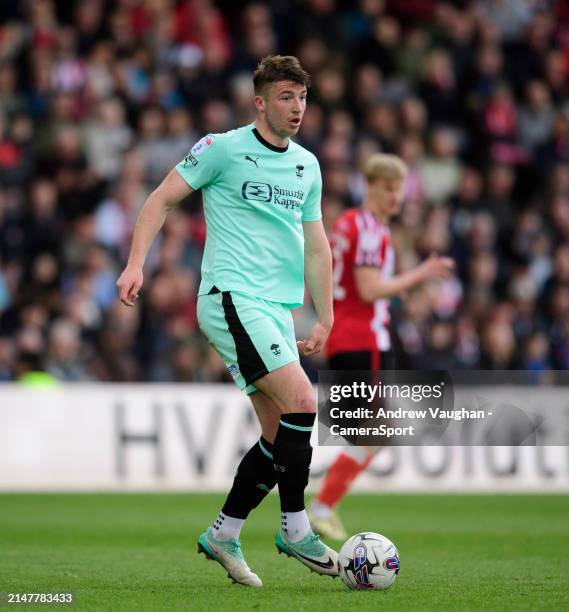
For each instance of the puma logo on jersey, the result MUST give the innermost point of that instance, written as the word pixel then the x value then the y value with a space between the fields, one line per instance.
pixel 252 160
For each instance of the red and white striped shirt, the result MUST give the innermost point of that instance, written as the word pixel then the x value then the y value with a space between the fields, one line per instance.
pixel 359 239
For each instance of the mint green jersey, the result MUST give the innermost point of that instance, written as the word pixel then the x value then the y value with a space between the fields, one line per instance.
pixel 256 197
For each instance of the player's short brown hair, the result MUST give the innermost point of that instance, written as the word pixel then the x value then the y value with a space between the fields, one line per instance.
pixel 274 68
pixel 384 166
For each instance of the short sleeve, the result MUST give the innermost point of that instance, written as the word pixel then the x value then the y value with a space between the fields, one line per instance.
pixel 204 163
pixel 311 209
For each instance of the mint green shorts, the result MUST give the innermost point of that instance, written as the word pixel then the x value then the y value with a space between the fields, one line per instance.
pixel 253 336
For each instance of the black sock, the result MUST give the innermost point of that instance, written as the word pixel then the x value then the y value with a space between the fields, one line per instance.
pixel 292 458
pixel 255 477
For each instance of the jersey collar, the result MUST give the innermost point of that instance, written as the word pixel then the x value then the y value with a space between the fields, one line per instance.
pixel 267 144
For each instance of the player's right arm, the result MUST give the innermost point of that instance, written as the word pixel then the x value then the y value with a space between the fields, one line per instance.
pixel 371 286
pixel 166 196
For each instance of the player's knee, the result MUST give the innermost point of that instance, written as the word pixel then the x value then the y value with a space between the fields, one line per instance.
pixel 304 400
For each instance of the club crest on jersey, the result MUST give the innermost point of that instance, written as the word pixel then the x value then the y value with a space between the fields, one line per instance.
pixel 201 146
pixel 299 171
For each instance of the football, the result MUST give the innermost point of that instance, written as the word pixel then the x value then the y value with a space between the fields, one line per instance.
pixel 368 561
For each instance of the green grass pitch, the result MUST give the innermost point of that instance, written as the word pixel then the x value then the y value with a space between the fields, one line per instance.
pixel 138 552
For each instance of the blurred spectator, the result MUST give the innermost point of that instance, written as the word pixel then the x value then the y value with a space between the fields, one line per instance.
pixel 64 360
pixel 380 47
pixel 536 353
pixel 99 100
pixel 439 350
pixel 498 347
pixel 500 126
pixel 440 169
pixel 29 371
pixel 499 196
pixel 535 117
pixel 6 359
pixel 439 88
pixel 108 137
pixel 114 359
pixel 510 17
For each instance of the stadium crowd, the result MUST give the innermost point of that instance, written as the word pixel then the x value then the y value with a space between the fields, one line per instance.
pixel 99 99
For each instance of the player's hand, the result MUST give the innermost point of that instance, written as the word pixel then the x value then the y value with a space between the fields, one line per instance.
pixel 315 343
pixel 437 267
pixel 129 284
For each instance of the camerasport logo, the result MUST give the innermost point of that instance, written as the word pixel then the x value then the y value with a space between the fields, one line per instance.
pixel 291 199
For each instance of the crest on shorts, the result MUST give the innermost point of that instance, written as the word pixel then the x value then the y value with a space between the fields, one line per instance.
pixel 233 369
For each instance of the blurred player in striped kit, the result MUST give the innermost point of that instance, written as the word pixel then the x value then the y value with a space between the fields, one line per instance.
pixel 364 282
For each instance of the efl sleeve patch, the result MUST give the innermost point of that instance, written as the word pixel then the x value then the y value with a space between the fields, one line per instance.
pixel 204 164
pixel 201 146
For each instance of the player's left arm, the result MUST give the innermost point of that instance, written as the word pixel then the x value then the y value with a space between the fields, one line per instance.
pixel 318 275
